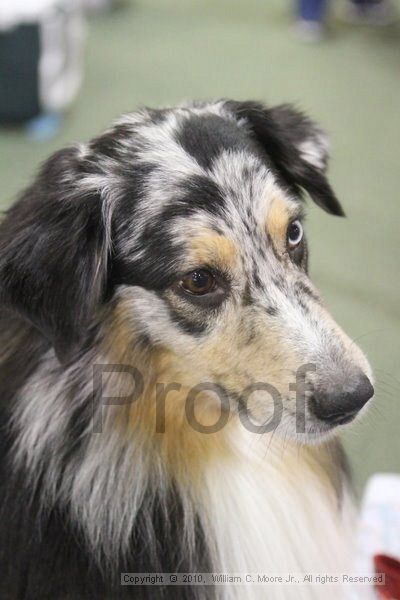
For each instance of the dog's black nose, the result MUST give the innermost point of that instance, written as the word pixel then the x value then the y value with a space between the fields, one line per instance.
pixel 338 407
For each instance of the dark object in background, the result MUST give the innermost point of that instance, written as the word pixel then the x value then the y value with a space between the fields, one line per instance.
pixel 390 567
pixel 41 58
pixel 19 82
pixel 371 12
pixel 312 10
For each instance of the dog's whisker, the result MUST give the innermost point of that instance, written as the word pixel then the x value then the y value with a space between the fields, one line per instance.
pixel 397 382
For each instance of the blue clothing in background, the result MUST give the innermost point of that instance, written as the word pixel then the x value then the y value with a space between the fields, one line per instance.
pixel 312 10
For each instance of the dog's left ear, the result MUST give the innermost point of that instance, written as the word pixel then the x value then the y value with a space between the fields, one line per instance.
pixel 297 147
pixel 54 246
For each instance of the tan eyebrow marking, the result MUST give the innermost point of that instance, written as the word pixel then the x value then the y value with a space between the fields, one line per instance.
pixel 209 248
pixel 278 218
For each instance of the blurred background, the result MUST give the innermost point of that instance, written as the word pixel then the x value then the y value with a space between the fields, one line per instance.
pixel 160 52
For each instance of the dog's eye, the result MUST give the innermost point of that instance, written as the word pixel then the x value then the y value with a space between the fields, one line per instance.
pixel 294 234
pixel 199 282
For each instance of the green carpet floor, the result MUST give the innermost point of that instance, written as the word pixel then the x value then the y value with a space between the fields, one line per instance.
pixel 156 52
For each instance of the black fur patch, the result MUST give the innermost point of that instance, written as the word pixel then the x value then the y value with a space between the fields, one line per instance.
pixel 159 266
pixel 247 299
pixel 187 325
pixel 302 288
pixel 205 136
pixel 196 193
pixel 53 255
pixel 26 348
pixel 44 555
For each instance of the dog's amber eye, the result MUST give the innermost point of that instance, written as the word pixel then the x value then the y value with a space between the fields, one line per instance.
pixel 294 234
pixel 198 282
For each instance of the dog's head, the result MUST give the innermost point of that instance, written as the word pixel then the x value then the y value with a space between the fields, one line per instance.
pixel 187 223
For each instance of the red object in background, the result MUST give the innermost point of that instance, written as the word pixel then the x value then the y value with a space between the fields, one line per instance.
pixel 391 568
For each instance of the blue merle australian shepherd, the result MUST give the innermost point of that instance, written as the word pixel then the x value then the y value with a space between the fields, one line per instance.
pixel 156 317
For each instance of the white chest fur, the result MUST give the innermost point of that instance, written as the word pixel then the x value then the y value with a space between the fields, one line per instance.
pixel 274 510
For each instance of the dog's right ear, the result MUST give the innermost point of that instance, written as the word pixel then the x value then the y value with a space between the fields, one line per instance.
pixel 54 246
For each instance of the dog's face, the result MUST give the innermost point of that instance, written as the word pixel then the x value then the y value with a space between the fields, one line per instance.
pixel 188 223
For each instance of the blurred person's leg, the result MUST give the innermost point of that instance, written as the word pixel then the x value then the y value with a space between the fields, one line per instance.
pixel 312 10
pixel 310 18
pixel 372 12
